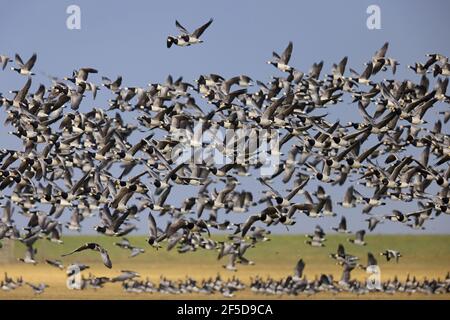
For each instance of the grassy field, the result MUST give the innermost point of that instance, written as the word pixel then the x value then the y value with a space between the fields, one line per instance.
pixel 423 256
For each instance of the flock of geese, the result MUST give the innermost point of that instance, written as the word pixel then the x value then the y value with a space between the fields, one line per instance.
pixel 77 163
pixel 292 285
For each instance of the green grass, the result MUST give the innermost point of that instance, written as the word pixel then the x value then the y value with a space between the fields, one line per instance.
pixel 423 256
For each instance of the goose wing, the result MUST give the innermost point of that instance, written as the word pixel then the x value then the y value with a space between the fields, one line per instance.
pixel 286 55
pixel 82 248
pixel 299 267
pixel 198 32
pixel 30 63
pixel 250 221
pixel 153 230
pixel 181 28
pixel 105 257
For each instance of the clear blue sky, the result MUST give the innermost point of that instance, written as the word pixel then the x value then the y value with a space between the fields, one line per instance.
pixel 128 38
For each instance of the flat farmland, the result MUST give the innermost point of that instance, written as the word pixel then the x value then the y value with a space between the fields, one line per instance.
pixel 424 256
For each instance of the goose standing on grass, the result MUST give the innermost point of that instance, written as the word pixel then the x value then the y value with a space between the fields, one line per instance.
pixel 186 38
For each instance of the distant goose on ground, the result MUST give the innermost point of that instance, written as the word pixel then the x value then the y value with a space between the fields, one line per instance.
pixel 359 238
pixel 96 247
pixel 25 68
pixel 186 38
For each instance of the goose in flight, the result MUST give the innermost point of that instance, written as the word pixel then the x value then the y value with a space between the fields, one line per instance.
pixel 391 254
pixel 186 38
pixel 342 257
pixel 125 244
pixel 76 268
pixel 55 263
pixel 25 68
pixel 342 227
pixel 29 255
pixel 39 288
pixel 153 232
pixel 125 275
pixel 4 61
pixel 359 238
pixel 298 271
pixel 281 62
pixel 96 247
pixel 371 261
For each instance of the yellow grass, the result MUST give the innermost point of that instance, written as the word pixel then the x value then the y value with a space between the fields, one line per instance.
pixel 424 256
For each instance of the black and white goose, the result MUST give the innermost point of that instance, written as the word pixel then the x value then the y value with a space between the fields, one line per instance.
pixel 342 227
pixel 359 238
pixel 37 289
pixel 342 257
pixel 186 38
pixel 391 254
pixel 298 271
pixel 282 62
pixel 25 68
pixel 55 263
pixel 4 61
pixel 95 247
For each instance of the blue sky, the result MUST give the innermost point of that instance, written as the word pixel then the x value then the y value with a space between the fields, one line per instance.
pixel 129 39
